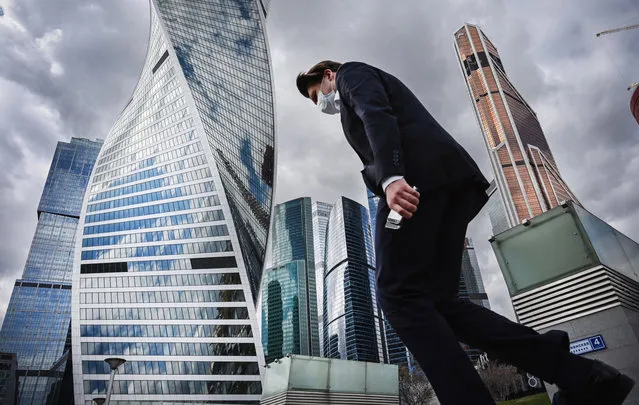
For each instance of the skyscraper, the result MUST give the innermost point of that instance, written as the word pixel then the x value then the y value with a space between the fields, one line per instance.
pixel 525 170
pixel 39 314
pixel 293 275
pixel 289 324
pixel 373 202
pixel 8 378
pixel 175 220
pixel 353 324
pixel 397 352
pixel 495 209
pixel 471 286
pixel 321 212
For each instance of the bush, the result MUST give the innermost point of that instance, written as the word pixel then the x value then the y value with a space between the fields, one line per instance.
pixel 502 380
pixel 414 389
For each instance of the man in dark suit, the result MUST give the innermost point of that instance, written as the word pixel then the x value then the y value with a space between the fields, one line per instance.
pixel 418 266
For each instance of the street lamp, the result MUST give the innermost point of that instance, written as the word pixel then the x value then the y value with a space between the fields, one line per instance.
pixel 99 401
pixel 114 363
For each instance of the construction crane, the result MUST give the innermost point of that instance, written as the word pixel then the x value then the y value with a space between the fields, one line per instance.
pixel 612 31
pixel 628 28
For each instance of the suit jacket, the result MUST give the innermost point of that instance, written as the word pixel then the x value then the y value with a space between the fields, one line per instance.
pixel 394 134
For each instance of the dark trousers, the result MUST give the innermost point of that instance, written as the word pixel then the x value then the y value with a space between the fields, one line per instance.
pixel 418 271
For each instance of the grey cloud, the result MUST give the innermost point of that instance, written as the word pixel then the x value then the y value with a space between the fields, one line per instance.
pixel 99 48
pixel 550 52
pixel 548 48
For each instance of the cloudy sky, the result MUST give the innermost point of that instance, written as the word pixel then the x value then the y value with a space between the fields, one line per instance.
pixel 68 67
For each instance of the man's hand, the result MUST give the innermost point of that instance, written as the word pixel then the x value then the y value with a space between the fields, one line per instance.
pixel 401 198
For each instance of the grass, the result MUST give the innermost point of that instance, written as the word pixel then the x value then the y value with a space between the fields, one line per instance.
pixel 539 399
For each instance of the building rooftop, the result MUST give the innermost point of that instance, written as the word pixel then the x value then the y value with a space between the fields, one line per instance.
pixel 562 241
pixel 315 374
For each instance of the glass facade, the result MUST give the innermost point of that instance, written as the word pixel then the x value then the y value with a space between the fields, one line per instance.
pixel 8 378
pixel 292 242
pixel 222 53
pixel 525 169
pixel 471 287
pixel 373 202
pixel 321 212
pixel 286 319
pixel 68 177
pixel 471 284
pixel 39 313
pixel 353 325
pixel 175 220
pixel 495 209
pixel 397 352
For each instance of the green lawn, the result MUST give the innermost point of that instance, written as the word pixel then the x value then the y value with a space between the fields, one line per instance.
pixel 539 399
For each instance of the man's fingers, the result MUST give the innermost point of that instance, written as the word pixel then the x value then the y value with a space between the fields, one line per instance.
pixel 404 208
pixel 402 211
pixel 407 205
pixel 406 189
pixel 411 198
pixel 404 200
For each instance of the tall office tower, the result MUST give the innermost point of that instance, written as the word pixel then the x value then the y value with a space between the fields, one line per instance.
pixel 293 275
pixel 353 325
pixel 471 287
pixel 373 202
pixel 397 352
pixel 8 378
pixel 321 212
pixel 175 221
pixel 525 170
pixel 496 211
pixel 39 314
pixel 289 323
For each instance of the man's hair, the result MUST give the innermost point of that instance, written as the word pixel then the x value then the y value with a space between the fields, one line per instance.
pixel 315 75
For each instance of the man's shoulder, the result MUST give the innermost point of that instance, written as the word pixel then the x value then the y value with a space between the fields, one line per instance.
pixel 352 70
pixel 348 67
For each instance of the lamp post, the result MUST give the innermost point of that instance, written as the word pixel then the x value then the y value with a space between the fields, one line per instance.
pixel 114 363
pixel 99 401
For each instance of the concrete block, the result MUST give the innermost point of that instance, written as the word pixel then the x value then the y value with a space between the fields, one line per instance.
pixel 620 330
pixel 598 322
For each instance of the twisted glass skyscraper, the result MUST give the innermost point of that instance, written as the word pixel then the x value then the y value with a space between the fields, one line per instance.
pixel 175 220
pixel 37 321
pixel 289 307
pixel 353 325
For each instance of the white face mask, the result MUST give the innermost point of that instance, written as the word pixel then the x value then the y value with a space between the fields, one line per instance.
pixel 328 103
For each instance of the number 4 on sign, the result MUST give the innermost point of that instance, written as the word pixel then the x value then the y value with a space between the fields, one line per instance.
pixel 597 343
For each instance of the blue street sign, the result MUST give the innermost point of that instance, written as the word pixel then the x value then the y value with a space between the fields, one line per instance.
pixel 587 345
pixel 597 342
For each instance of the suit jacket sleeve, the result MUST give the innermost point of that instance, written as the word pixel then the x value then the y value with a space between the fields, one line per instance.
pixel 361 88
